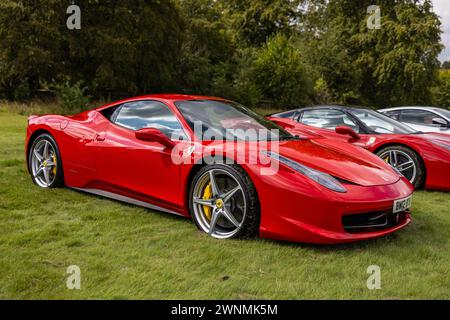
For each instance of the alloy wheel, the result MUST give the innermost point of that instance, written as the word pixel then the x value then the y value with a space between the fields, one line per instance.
pixel 219 203
pixel 44 163
pixel 402 162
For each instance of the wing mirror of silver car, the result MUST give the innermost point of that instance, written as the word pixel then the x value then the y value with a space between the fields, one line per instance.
pixel 440 122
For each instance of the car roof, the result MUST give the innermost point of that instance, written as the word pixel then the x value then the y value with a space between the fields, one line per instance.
pixel 426 108
pixel 411 107
pixel 332 106
pixel 172 97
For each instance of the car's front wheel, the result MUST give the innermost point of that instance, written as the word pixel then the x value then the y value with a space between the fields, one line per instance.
pixel 223 202
pixel 405 160
pixel 44 161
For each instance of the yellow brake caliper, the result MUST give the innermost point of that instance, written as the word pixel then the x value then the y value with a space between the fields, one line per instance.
pixel 386 159
pixel 54 167
pixel 207 194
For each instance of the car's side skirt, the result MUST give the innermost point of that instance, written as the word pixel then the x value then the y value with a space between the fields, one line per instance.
pixel 122 198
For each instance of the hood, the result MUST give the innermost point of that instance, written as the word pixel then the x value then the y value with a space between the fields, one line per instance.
pixel 340 159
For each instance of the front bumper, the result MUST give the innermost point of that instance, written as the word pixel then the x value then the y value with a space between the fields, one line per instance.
pixel 324 217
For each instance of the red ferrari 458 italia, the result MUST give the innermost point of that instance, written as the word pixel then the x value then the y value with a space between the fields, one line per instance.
pixel 234 172
pixel 423 158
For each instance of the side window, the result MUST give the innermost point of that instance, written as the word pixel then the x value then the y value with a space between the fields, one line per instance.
pixel 393 114
pixel 149 114
pixel 286 115
pixel 327 119
pixel 418 117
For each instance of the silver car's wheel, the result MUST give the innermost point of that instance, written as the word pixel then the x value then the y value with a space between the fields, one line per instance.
pixel 401 161
pixel 223 202
pixel 44 162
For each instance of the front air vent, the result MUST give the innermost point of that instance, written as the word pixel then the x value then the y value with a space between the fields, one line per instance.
pixel 371 221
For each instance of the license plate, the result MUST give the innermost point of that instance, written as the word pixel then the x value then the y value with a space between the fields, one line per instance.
pixel 402 204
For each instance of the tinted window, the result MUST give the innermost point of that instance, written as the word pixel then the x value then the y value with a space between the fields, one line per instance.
pixel 225 120
pixel 327 119
pixel 285 115
pixel 392 114
pixel 421 117
pixel 149 114
pixel 380 123
pixel 445 113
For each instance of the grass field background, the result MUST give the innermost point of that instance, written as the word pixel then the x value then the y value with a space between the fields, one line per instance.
pixel 127 252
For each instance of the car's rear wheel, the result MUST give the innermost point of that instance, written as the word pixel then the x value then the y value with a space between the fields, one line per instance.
pixel 224 203
pixel 44 162
pixel 405 160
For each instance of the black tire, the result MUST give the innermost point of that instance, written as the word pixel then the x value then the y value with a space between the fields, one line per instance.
pixel 58 180
pixel 250 224
pixel 418 180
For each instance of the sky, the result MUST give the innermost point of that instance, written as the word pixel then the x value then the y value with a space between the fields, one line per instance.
pixel 442 9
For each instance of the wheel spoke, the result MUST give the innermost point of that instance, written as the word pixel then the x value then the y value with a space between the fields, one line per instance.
pixel 214 217
pixel 227 195
pixel 37 155
pixel 230 217
pixel 393 158
pixel 45 153
pixel 405 166
pixel 40 170
pixel 47 175
pixel 215 189
pixel 204 202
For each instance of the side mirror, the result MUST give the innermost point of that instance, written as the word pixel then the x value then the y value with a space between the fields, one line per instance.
pixel 347 130
pixel 440 122
pixel 154 135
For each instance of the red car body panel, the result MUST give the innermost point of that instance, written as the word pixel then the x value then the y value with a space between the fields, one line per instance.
pixel 99 155
pixel 436 159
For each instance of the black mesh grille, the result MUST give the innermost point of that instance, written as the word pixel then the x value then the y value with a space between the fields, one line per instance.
pixel 371 221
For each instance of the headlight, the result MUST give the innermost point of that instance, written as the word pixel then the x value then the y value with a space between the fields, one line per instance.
pixel 442 145
pixel 322 178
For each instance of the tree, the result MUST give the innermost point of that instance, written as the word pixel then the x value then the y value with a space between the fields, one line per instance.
pixel 441 93
pixel 255 21
pixel 279 75
pixel 278 52
pixel 123 47
pixel 395 64
pixel 126 48
pixel 30 46
pixel 446 65
pixel 206 62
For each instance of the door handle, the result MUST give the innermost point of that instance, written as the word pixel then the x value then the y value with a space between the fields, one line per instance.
pixel 100 136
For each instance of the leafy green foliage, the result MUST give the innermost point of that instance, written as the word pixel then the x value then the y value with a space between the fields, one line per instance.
pixel 393 65
pixel 322 92
pixel 72 97
pixel 279 75
pixel 281 53
pixel 441 92
pixel 255 21
pixel 30 45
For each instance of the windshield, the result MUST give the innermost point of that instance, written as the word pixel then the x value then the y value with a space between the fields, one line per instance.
pixel 226 120
pixel 445 113
pixel 381 123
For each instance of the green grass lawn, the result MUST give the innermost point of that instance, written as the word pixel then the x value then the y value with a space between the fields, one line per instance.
pixel 129 252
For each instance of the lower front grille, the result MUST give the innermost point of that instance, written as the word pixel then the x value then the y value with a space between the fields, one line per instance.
pixel 372 221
